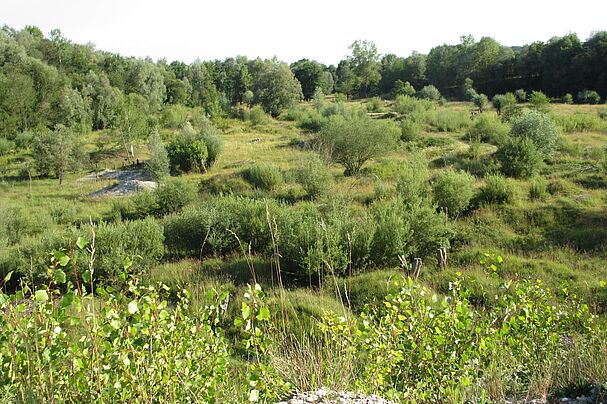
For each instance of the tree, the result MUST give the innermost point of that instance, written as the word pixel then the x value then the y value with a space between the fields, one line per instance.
pixel 56 153
pixel 310 75
pixel 17 102
pixel 354 140
pixel 75 111
pixel 502 102
pixel 365 65
pixel 403 88
pixel 146 79
pixel 131 120
pixel 275 87
pixel 210 137
pixel 158 163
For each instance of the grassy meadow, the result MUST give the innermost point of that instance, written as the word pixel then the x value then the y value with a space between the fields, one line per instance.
pixel 550 226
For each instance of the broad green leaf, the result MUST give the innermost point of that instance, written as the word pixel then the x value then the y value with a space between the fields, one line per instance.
pixel 264 314
pixel 61 258
pixel 82 243
pixel 8 276
pixel 133 308
pixel 41 295
pixel 60 276
pixel 246 311
pixel 86 276
pixel 128 262
pixel 67 299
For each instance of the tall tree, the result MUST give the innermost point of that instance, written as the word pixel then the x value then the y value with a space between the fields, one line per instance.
pixel 365 64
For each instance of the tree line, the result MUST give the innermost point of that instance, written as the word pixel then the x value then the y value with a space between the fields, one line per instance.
pixel 47 81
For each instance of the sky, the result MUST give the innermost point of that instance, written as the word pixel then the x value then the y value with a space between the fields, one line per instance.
pixel 291 30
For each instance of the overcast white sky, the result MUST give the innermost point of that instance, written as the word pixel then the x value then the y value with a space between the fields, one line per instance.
pixel 316 29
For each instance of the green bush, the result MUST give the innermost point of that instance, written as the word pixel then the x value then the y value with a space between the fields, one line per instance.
pixel 519 157
pixel 140 241
pixel 446 120
pixel 540 129
pixel 412 108
pixel 502 102
pixel 187 152
pixel 567 99
pixel 314 177
pixel 375 104
pixel 453 191
pixel 107 356
pixel 410 130
pixel 538 189
pixel 480 101
pixel 6 146
pixel 353 141
pixel 521 95
pixel 588 97
pixel 158 165
pixel 429 92
pixel 225 185
pixel 172 196
pixel 412 180
pixel 214 144
pixel 257 116
pixel 539 101
pixel 497 190
pixel 263 177
pixel 174 116
pixel 488 128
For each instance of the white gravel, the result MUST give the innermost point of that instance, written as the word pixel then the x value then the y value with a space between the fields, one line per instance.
pixel 326 396
pixel 130 181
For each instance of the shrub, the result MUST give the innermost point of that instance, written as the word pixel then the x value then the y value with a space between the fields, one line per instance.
pixel 172 196
pixel 412 108
pixel 264 177
pixel 488 128
pixel 481 101
pixel 352 141
pixel 174 116
pixel 409 130
pixel 412 180
pixel 314 177
pixel 158 164
pixel 6 146
pixel 540 129
pixel 187 152
pixel 24 140
pixel 210 137
pixel 497 189
pixel 257 116
pixel 107 358
pixel 567 99
pixel 375 104
pixel 521 95
pixel 453 191
pixel 538 189
pixel 519 157
pixel 446 120
pixel 502 102
pixel 225 185
pixel 429 92
pixel 588 97
pixel 140 241
pixel 392 233
pixel 539 101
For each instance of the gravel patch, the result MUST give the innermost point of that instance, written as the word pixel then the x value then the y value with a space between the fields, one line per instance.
pixel 130 181
pixel 326 396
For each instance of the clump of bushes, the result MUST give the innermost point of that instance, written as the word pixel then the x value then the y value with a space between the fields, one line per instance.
pixel 375 104
pixel 540 129
pixel 503 102
pixel 497 190
pixel 187 152
pixel 314 177
pixel 588 97
pixel 453 191
pixel 263 177
pixel 488 128
pixel 519 157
